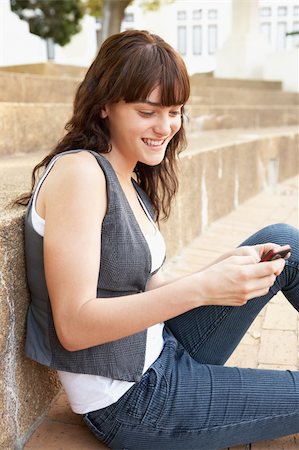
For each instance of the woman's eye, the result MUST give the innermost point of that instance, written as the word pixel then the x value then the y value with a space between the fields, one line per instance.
pixel 146 113
pixel 175 113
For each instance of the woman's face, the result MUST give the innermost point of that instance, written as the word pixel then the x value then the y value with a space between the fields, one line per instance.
pixel 141 131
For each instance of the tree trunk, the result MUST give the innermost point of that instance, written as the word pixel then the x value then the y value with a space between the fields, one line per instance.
pixel 113 14
pixel 50 49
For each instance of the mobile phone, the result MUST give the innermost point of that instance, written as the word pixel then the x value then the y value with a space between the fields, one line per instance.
pixel 272 254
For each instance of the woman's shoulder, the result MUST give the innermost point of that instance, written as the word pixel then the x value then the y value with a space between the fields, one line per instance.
pixel 79 166
pixel 75 172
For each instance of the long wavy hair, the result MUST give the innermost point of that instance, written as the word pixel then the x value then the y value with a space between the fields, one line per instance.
pixel 128 66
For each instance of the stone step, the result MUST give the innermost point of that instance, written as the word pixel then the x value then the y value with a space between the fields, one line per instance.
pixel 21 87
pixel 207 117
pixel 203 80
pixel 241 96
pixel 47 69
pixel 31 127
pixel 24 87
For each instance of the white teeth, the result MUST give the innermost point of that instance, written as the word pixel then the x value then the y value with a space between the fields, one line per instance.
pixel 153 142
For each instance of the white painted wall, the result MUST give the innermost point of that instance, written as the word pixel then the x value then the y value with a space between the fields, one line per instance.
pixel 17 44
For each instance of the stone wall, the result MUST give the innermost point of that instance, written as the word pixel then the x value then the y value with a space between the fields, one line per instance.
pixel 213 182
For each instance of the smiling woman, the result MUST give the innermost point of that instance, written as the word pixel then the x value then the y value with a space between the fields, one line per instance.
pixel 140 357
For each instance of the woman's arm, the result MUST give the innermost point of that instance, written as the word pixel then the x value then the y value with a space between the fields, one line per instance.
pixel 75 205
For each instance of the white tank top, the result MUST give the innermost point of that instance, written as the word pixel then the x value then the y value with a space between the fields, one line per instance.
pixel 91 392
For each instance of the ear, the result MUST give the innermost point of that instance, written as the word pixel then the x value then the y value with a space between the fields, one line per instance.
pixel 103 112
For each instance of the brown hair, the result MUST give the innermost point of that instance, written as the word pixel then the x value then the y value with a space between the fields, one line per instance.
pixel 128 67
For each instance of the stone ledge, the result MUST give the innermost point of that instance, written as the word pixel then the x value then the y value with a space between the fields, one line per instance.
pixel 27 87
pixel 47 69
pixel 20 87
pixel 28 127
pixel 207 117
pixel 202 80
pixel 241 96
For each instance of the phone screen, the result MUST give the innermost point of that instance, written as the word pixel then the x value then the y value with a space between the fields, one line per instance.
pixel 272 254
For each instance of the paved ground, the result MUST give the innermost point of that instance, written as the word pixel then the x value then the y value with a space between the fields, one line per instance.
pixel 271 342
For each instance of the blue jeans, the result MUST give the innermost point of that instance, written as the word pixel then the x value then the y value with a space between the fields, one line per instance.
pixel 188 400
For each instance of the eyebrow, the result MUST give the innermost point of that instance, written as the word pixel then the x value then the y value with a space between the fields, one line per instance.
pixel 148 102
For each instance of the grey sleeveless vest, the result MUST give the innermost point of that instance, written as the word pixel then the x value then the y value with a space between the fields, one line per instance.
pixel 124 269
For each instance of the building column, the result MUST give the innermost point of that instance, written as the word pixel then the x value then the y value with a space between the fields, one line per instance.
pixel 243 53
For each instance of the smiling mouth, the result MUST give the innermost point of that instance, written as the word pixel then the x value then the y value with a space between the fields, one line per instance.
pixel 153 142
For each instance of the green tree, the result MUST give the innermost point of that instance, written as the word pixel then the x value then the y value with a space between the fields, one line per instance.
pixel 112 12
pixel 52 20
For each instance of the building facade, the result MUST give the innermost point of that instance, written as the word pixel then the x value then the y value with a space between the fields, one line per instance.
pixel 199 30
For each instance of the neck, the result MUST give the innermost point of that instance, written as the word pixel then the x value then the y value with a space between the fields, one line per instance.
pixel 123 168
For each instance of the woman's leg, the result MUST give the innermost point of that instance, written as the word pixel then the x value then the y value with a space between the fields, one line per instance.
pixel 211 333
pixel 180 404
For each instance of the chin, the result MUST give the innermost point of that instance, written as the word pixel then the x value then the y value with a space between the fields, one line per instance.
pixel 154 160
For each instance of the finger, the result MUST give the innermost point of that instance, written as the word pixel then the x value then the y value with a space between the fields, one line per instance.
pixel 248 251
pixel 244 260
pixel 260 284
pixel 260 293
pixel 269 246
pixel 269 267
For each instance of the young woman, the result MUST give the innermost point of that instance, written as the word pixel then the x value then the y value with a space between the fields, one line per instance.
pixel 140 357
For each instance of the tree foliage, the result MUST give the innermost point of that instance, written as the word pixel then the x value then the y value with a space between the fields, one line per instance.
pixel 112 12
pixel 95 7
pixel 55 19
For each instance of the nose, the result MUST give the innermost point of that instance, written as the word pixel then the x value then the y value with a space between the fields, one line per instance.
pixel 162 126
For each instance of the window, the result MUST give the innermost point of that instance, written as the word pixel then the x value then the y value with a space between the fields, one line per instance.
pixel 282 11
pixel 181 15
pixel 266 30
pixel 129 17
pixel 197 39
pixel 212 39
pixel 212 14
pixel 281 35
pixel 196 14
pixel 296 26
pixel 182 39
pixel 296 10
pixel 295 36
pixel 265 12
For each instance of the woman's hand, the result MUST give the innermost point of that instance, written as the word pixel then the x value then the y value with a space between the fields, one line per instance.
pixel 237 277
pixel 256 251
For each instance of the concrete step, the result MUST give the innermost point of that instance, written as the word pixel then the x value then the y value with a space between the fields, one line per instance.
pixel 27 87
pixel 241 96
pixel 31 127
pixel 47 69
pixel 203 80
pixel 22 87
pixel 208 117
pixel 61 70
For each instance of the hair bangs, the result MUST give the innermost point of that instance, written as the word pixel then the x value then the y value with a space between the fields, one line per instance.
pixel 155 66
